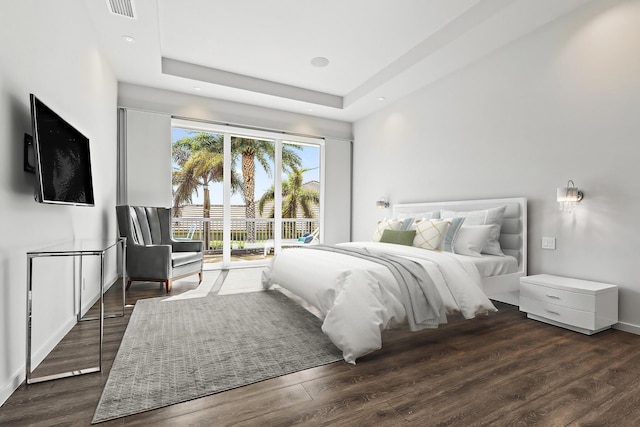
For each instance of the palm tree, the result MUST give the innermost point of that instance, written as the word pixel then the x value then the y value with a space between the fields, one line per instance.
pixel 206 150
pixel 250 151
pixel 294 197
pixel 200 162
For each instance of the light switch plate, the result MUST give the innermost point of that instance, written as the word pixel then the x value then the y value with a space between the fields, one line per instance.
pixel 548 243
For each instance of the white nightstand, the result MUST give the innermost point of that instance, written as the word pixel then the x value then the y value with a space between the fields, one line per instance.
pixel 579 305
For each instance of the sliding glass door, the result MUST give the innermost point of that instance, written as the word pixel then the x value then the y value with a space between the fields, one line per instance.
pixel 247 194
pixel 252 166
pixel 300 192
pixel 197 176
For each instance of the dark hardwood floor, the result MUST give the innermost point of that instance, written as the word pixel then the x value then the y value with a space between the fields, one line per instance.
pixel 497 370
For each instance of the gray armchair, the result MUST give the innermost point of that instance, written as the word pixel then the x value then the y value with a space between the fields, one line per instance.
pixel 152 254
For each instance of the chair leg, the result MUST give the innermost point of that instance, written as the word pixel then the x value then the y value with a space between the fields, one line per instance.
pixel 200 277
pixel 168 285
pixel 128 285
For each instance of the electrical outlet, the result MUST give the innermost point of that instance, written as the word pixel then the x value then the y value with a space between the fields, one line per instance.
pixel 548 243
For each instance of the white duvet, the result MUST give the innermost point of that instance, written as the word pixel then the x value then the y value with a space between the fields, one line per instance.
pixel 360 298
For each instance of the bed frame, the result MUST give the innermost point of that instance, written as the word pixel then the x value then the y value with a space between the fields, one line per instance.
pixel 513 238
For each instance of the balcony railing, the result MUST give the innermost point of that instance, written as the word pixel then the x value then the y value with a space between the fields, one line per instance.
pixel 247 234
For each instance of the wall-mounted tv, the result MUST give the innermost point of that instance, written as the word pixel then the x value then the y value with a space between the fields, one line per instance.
pixel 62 159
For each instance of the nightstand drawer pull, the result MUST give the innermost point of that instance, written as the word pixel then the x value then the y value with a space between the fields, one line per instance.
pixel 560 297
pixel 552 312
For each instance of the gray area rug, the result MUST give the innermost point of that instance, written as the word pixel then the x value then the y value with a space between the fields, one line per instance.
pixel 174 351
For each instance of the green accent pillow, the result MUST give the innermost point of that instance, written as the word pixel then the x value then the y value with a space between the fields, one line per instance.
pixel 399 237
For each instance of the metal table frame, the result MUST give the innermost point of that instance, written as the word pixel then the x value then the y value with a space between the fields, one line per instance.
pixel 80 249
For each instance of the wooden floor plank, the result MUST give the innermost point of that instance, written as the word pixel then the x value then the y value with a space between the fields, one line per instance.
pixel 231 411
pixel 418 368
pixel 537 392
pixel 253 392
pixel 621 407
pixel 499 369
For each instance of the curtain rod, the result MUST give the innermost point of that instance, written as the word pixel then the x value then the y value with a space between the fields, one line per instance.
pixel 213 122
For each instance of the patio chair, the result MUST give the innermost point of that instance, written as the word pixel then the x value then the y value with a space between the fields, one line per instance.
pixel 305 239
pixel 190 233
pixel 152 254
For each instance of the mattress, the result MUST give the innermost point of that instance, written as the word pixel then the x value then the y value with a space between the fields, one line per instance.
pixel 492 265
pixel 487 265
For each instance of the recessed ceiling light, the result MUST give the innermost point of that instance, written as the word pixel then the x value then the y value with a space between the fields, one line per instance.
pixel 196 88
pixel 381 98
pixel 319 61
pixel 129 39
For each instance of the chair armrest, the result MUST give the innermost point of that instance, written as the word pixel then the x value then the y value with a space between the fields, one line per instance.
pixel 150 262
pixel 187 246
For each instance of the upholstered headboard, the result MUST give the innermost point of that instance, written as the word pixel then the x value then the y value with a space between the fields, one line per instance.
pixel 513 234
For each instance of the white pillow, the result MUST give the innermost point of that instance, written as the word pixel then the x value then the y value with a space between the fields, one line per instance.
pixel 471 239
pixel 425 215
pixel 391 224
pixel 491 216
pixel 429 233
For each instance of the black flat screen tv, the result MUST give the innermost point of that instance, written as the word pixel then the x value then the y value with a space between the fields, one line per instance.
pixel 62 159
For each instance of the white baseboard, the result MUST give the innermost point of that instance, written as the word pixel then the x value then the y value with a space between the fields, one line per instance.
pixel 36 358
pixel 20 375
pixel 12 385
pixel 39 354
pixel 88 304
pixel 627 327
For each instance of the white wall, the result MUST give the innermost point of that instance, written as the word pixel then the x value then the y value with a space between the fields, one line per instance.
pixel 559 104
pixel 46 48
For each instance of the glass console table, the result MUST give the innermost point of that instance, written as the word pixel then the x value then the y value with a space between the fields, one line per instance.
pixel 78 248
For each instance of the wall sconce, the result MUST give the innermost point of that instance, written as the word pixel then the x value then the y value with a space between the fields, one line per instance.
pixel 568 196
pixel 382 203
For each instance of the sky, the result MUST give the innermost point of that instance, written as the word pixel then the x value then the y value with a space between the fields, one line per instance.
pixel 310 157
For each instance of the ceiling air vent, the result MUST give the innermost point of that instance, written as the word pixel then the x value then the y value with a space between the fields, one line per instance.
pixel 121 7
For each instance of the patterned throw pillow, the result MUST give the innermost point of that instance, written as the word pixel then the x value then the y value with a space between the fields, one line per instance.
pixel 391 224
pixel 430 233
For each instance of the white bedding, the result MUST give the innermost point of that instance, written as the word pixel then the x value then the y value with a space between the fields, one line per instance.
pixel 360 298
pixel 493 265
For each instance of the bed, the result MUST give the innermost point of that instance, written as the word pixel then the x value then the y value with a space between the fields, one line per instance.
pixel 365 287
pixel 513 240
